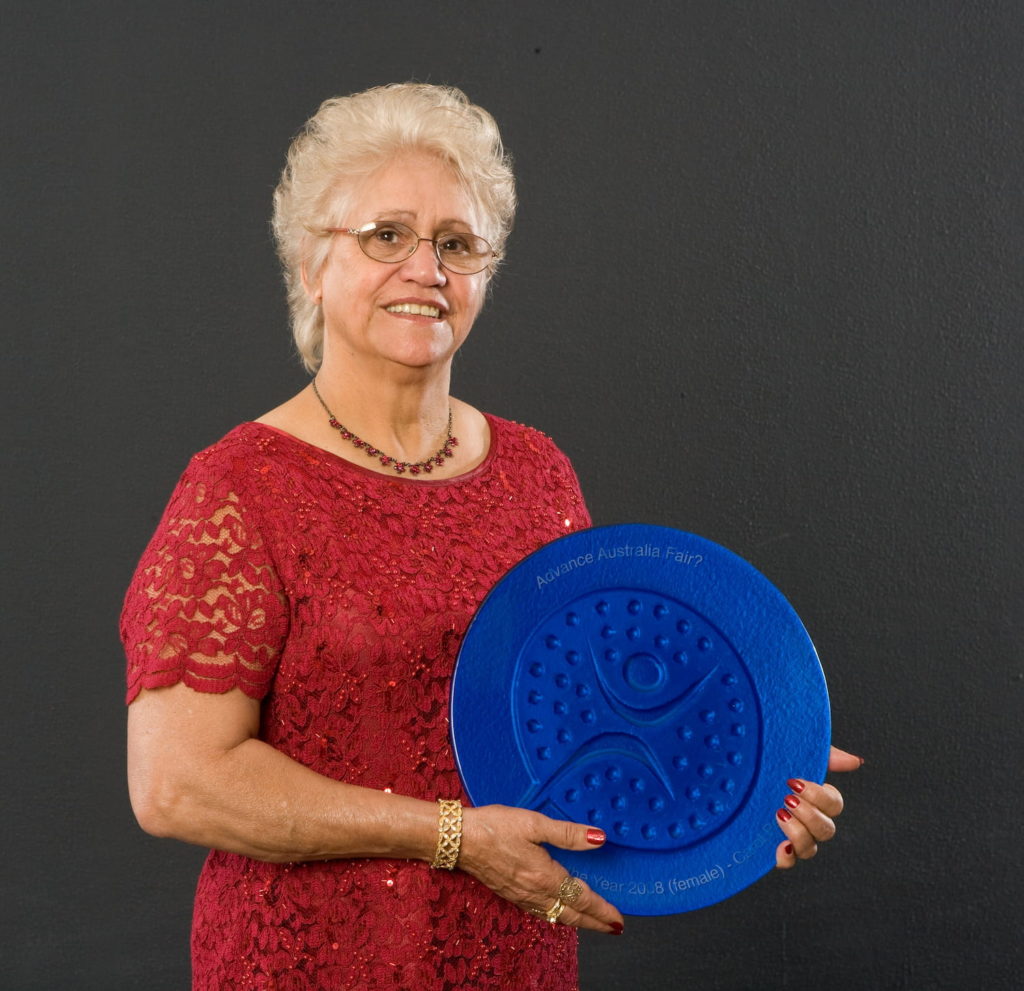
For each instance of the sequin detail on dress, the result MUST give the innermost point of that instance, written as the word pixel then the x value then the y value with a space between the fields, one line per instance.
pixel 339 598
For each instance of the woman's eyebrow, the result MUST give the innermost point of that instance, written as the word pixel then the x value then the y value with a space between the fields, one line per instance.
pixel 446 223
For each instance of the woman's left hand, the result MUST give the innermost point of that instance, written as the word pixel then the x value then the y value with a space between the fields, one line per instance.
pixel 808 811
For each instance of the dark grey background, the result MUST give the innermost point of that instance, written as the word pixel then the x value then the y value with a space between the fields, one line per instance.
pixel 765 286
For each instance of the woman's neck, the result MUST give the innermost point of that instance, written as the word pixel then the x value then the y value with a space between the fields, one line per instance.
pixel 404 414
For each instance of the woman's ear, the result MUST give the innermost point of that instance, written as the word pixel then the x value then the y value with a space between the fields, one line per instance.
pixel 312 287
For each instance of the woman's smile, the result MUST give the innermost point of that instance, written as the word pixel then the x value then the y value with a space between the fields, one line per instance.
pixel 415 308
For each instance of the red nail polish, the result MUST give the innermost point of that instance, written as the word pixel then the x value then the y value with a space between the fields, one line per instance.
pixel 595 836
pixel 616 928
pixel 792 801
pixel 795 784
pixel 788 849
pixel 784 814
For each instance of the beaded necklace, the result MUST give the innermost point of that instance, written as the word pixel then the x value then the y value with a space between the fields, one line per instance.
pixel 399 467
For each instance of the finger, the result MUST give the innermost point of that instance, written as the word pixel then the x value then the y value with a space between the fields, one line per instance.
pixel 819 825
pixel 785 855
pixel 579 920
pixel 800 838
pixel 572 835
pixel 824 797
pixel 591 907
pixel 587 911
pixel 840 760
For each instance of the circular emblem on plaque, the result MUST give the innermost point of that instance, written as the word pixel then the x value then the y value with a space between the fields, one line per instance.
pixel 651 683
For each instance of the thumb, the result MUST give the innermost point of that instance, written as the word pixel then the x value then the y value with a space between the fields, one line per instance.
pixel 840 760
pixel 575 835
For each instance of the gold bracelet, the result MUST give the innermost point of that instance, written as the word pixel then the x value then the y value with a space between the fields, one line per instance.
pixel 449 833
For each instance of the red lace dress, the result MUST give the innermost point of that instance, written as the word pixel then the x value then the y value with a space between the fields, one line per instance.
pixel 338 597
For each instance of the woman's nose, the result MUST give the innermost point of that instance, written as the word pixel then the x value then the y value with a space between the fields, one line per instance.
pixel 423 265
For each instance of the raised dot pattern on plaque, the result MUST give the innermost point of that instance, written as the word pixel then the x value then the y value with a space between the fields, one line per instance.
pixel 635 714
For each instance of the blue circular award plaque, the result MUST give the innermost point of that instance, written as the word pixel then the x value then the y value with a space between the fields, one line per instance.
pixel 653 684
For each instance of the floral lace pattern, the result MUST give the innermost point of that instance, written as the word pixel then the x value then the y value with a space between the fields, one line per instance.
pixel 339 598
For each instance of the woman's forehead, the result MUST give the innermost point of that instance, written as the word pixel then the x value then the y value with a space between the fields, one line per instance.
pixel 415 187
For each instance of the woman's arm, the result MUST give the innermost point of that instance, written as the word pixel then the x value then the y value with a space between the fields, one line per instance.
pixel 197 772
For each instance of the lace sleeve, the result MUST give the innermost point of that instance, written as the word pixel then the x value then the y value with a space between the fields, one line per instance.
pixel 562 477
pixel 206 605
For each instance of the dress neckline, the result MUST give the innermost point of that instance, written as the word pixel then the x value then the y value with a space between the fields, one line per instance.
pixel 475 471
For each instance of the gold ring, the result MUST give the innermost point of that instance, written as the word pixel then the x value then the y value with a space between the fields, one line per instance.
pixel 551 914
pixel 555 911
pixel 570 890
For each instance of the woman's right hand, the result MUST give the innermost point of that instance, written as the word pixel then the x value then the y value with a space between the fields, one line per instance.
pixel 501 846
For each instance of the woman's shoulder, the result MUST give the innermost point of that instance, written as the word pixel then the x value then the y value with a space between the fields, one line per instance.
pixel 512 433
pixel 245 453
pixel 241 442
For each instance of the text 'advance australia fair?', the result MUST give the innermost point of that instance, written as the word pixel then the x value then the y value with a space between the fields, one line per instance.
pixel 667 553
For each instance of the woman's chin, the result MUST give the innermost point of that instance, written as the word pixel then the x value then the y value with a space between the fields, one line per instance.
pixel 423 353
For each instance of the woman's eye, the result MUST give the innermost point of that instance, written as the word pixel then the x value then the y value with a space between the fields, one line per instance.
pixel 387 235
pixel 454 245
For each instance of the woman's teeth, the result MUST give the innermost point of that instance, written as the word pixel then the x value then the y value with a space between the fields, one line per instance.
pixel 417 309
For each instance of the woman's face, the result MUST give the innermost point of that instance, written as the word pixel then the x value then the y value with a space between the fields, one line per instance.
pixel 363 299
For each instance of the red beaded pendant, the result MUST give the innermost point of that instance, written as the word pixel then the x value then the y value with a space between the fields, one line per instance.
pixel 399 467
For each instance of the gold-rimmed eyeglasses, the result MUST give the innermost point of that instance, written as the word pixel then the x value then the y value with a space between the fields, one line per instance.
pixel 391 242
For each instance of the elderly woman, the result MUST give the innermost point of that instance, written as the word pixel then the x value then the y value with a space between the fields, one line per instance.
pixel 292 627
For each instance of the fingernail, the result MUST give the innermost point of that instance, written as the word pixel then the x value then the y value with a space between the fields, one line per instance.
pixel 861 759
pixel 795 784
pixel 595 836
pixel 792 801
pixel 784 814
pixel 616 928
pixel 788 849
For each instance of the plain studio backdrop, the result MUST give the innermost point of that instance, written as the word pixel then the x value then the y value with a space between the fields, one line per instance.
pixel 765 286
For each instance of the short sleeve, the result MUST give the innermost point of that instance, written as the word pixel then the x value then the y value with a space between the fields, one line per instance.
pixel 562 479
pixel 577 515
pixel 206 605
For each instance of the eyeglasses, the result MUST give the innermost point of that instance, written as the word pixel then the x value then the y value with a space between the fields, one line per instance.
pixel 391 242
